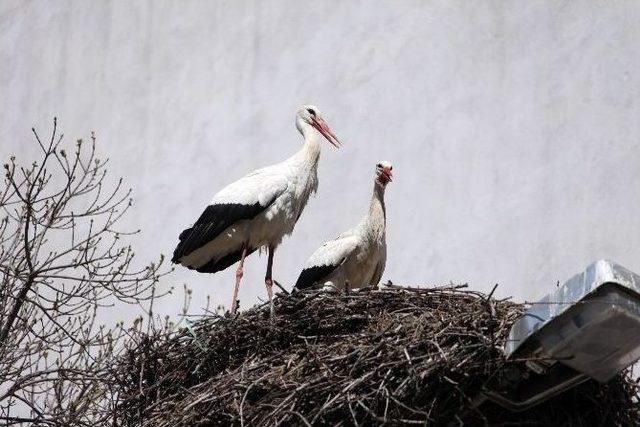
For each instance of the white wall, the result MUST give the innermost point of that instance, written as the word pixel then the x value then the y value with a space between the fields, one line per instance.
pixel 513 126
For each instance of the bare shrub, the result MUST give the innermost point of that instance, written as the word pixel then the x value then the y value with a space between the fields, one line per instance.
pixel 62 259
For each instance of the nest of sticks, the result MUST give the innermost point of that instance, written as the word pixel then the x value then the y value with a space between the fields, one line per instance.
pixel 395 356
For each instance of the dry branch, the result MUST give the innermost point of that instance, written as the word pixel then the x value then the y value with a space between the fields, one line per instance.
pixel 62 260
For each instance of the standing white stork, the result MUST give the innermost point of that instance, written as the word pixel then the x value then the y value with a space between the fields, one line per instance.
pixel 357 257
pixel 258 210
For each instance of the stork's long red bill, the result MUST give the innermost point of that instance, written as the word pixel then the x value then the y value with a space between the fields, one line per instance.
pixel 324 129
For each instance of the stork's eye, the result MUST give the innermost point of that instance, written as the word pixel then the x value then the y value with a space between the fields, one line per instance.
pixel 390 168
pixel 310 110
pixel 379 165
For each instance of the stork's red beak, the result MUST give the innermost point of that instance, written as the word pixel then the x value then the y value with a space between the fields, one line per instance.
pixel 324 129
pixel 387 174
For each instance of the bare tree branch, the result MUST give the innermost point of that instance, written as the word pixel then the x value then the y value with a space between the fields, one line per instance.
pixel 63 259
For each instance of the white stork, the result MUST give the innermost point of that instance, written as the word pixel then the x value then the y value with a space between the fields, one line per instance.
pixel 357 257
pixel 258 210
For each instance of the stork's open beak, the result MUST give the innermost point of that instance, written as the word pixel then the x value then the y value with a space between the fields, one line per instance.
pixel 323 128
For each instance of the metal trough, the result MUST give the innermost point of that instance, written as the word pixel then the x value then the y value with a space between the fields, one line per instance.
pixel 588 328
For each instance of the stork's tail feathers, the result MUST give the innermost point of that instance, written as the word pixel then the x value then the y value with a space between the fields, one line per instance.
pixel 185 234
pixel 313 275
pixel 177 253
pixel 216 265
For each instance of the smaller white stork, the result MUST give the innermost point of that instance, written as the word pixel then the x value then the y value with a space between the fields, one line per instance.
pixel 258 210
pixel 357 257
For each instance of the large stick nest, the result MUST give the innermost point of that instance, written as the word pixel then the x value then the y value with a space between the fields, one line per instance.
pixel 394 356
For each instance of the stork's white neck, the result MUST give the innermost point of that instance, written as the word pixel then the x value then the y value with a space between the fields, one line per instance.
pixel 377 200
pixel 312 139
pixel 377 216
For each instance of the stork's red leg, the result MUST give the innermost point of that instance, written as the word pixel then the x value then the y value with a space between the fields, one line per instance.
pixel 239 273
pixel 268 281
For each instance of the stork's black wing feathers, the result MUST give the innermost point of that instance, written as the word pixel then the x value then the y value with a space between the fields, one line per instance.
pixel 216 265
pixel 213 221
pixel 312 275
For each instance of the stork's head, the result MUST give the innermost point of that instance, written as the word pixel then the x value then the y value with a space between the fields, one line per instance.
pixel 309 116
pixel 383 172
